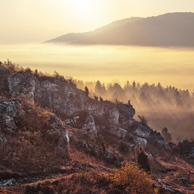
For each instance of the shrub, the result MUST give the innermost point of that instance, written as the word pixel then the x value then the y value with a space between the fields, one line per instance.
pixel 143 161
pixel 133 180
pixel 86 91
pixel 123 147
pixel 166 135
pixel 143 120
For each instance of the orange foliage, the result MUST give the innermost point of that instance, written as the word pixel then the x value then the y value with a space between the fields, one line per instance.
pixel 133 180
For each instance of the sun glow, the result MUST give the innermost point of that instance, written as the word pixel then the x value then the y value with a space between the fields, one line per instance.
pixel 85 10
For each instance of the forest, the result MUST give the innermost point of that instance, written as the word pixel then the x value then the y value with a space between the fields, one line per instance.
pixel 163 107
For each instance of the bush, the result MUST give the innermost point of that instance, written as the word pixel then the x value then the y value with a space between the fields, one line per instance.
pixel 143 120
pixel 133 180
pixel 143 161
pixel 166 135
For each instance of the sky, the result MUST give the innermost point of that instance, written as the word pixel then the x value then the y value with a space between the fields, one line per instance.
pixel 40 20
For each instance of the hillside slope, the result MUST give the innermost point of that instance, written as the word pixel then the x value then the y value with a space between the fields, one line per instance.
pixel 53 135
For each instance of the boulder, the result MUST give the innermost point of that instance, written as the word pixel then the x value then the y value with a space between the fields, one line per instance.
pixel 119 132
pixel 89 125
pixel 126 112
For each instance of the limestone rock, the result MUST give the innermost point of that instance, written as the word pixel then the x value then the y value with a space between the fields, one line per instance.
pixel 119 132
pixel 126 112
pixel 140 142
pixel 89 125
pixel 140 130
pixel 21 84
pixel 65 98
pixel 10 111
pixel 57 131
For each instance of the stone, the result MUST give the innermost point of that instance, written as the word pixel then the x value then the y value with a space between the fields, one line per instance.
pixel 65 98
pixel 126 112
pixel 89 125
pixel 140 130
pixel 119 132
pixel 140 142
pixel 10 111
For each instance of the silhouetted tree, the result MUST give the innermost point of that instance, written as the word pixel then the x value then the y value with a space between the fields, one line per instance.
pixel 96 98
pixel 86 91
pixel 143 120
pixel 28 71
pixel 166 135
pixel 100 89
pixel 36 72
pixel 134 84
pixel 116 101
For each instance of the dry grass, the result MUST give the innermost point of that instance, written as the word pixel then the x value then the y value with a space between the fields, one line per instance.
pixel 29 149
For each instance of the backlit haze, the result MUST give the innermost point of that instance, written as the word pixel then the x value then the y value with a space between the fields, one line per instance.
pixel 40 20
pixel 26 24
pixel 108 63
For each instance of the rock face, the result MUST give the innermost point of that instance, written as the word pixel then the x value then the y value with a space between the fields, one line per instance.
pixel 10 111
pixel 65 98
pixel 21 84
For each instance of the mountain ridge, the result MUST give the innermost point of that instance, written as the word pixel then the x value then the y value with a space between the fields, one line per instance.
pixel 171 29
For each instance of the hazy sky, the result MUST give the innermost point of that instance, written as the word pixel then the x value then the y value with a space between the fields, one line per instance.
pixel 39 20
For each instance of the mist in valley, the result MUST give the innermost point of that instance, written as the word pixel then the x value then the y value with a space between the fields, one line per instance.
pixel 163 107
pixel 169 66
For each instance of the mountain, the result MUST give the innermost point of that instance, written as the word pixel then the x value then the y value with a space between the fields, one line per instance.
pixel 54 138
pixel 172 29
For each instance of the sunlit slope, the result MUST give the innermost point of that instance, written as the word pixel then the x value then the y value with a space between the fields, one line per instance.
pixel 173 29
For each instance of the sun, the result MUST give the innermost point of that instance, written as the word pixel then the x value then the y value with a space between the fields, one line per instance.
pixel 85 10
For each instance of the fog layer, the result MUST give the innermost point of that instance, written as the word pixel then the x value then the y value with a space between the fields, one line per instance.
pixel 108 63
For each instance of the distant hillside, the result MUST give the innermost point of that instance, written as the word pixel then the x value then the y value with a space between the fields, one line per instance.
pixel 172 29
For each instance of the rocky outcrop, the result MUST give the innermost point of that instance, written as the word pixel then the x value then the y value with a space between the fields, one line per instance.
pixel 126 112
pixel 10 111
pixel 20 83
pixel 85 142
pixel 32 137
pixel 117 131
pixel 65 99
pixel 186 149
